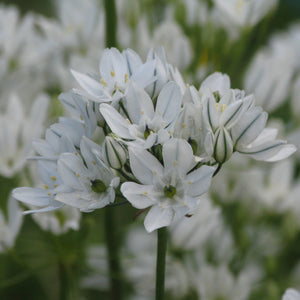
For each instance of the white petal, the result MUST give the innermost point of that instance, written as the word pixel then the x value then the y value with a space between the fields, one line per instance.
pixel 249 127
pixel 144 165
pixel 210 113
pixel 138 103
pixel 31 196
pixel 144 75
pixel 169 102
pixel 90 85
pixel 231 114
pixel 140 196
pixel 158 217
pixel 178 154
pixel 270 151
pixel 113 60
pixel 133 60
pixel 216 82
pixel 115 121
pixel 199 181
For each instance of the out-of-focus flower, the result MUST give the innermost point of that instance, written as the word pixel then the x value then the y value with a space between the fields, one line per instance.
pixel 59 221
pixel 10 225
pixel 17 130
pixel 191 233
pixel 295 97
pixel 176 44
pixel 140 267
pixel 291 294
pixel 238 14
pixel 213 282
pixel 270 73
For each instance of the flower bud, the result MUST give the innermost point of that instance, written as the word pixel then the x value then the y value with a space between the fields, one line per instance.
pixel 113 153
pixel 223 146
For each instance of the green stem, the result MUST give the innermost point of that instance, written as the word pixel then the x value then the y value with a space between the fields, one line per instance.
pixel 162 236
pixel 110 222
pixel 110 23
pixel 113 255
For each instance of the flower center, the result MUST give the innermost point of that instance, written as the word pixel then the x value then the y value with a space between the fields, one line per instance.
pixel 170 191
pixel 98 186
pixel 147 132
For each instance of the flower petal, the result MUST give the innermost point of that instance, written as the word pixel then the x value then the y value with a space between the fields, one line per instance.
pixel 115 121
pixel 158 217
pixel 144 165
pixel 199 181
pixel 177 153
pixel 139 195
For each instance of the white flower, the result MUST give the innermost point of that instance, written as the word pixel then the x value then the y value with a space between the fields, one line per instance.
pixel 59 221
pixel 41 199
pixel 145 125
pixel 193 232
pixel 291 294
pixel 235 124
pixel 89 184
pixel 86 112
pixel 10 225
pixel 17 130
pixel 270 73
pixel 140 267
pixel 218 282
pixel 53 145
pixel 170 190
pixel 169 35
pixel 116 71
pixel 236 14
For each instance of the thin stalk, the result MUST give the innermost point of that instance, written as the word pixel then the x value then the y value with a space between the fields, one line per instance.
pixel 161 253
pixel 110 23
pixel 115 276
pixel 109 216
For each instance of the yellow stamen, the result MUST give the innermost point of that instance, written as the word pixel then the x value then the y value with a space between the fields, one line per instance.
pixel 103 82
pixel 126 78
pixel 112 73
pixel 53 178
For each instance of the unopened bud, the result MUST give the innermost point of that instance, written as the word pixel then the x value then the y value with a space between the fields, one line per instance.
pixel 223 146
pixel 113 153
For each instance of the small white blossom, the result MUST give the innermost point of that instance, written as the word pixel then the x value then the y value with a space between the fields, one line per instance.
pixel 170 190
pixel 88 183
pixel 116 71
pixel 145 125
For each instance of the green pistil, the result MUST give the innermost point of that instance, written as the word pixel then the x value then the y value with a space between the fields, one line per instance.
pixel 217 96
pixel 193 144
pixel 147 132
pixel 98 186
pixel 170 191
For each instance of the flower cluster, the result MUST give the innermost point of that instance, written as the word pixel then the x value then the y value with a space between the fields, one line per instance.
pixel 138 131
